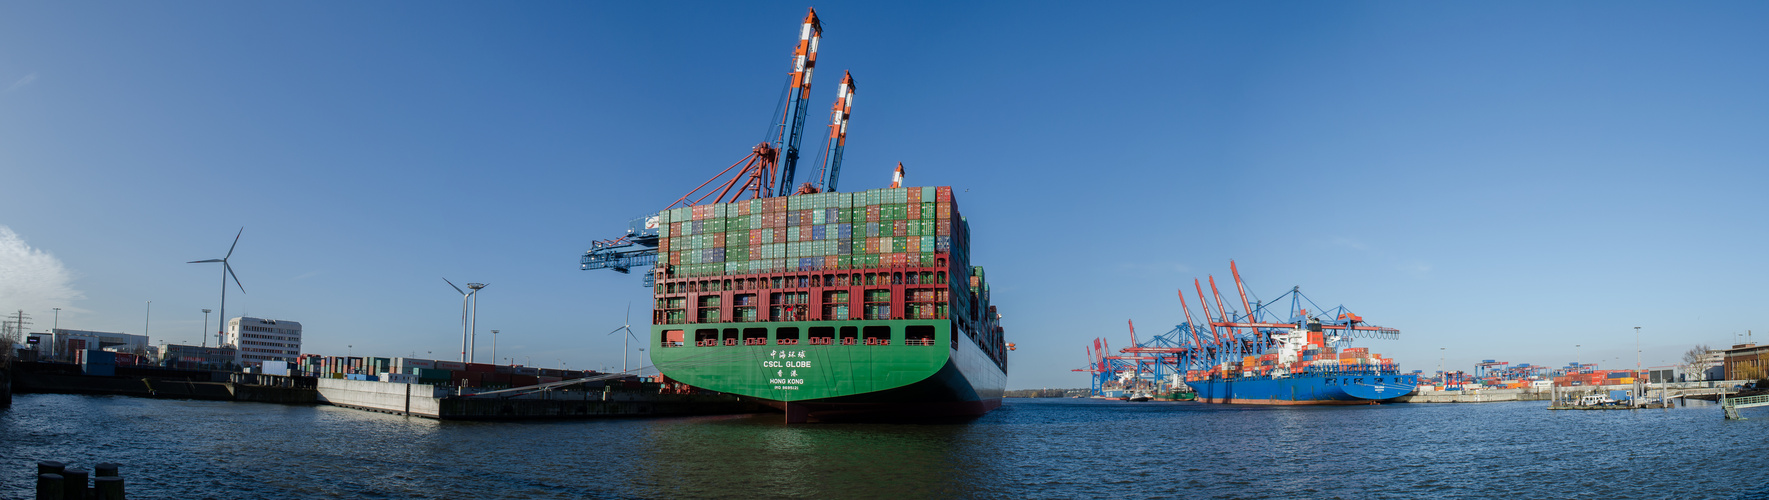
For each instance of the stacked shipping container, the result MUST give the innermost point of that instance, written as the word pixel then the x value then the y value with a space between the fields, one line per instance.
pixel 881 254
pixel 1315 359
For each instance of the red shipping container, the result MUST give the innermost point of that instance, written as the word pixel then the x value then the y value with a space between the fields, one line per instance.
pixel 743 208
pixel 480 368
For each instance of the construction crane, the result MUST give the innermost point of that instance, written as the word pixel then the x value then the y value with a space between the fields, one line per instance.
pixel 767 171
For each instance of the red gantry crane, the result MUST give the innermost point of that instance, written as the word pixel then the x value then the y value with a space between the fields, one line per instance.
pixel 767 171
pixel 1225 338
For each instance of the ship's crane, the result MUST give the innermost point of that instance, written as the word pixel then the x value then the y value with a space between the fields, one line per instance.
pixel 766 172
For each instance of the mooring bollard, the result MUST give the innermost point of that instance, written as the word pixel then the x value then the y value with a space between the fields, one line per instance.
pixel 73 484
pixel 50 467
pixel 108 488
pixel 49 487
pixel 106 469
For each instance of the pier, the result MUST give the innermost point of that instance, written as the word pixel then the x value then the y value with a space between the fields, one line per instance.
pixel 603 397
pixel 580 400
pixel 1732 405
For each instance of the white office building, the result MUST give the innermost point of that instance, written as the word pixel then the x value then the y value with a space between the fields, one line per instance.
pixel 257 340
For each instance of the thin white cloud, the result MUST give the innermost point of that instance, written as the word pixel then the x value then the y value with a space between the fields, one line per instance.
pixel 33 280
pixel 1415 268
pixel 22 82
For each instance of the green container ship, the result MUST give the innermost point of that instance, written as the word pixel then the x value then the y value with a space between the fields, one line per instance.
pixel 829 305
pixel 825 304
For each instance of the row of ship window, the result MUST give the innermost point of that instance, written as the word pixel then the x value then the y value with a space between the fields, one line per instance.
pixel 875 335
pixel 809 281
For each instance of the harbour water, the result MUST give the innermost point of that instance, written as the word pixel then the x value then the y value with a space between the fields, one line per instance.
pixel 1030 448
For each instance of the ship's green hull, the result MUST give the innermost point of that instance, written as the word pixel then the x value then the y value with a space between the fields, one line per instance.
pixel 934 376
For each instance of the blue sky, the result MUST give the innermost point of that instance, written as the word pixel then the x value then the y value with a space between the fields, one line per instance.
pixel 1501 180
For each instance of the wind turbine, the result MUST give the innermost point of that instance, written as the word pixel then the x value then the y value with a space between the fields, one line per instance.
pixel 469 317
pixel 625 342
pixel 226 271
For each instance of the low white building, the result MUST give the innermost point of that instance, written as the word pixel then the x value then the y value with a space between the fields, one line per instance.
pixel 257 340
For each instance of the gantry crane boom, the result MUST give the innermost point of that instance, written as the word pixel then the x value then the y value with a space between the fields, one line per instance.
pixel 838 134
pixel 767 170
pixel 792 122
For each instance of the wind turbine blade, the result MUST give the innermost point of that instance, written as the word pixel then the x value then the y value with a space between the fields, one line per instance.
pixel 451 283
pixel 629 320
pixel 236 277
pixel 616 330
pixel 203 261
pixel 236 242
pixel 630 333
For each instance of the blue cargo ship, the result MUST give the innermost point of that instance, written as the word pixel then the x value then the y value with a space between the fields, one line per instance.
pixel 1334 388
pixel 1295 374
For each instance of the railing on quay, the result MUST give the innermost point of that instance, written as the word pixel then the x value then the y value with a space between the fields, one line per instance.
pixel 263 380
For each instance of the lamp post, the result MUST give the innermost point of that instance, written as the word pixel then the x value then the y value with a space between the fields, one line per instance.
pixel 57 324
pixel 641 360
pixel 494 347
pixel 1442 378
pixel 205 334
pixel 1636 352
pixel 145 317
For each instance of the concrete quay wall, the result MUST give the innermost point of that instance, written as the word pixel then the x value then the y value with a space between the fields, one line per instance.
pixel 1544 394
pixel 1477 396
pixel 403 399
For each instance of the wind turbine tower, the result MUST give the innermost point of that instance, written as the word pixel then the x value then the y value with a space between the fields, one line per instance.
pixel 226 271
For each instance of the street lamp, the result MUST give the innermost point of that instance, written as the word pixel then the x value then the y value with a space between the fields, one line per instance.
pixel 1578 360
pixel 641 360
pixel 205 334
pixel 145 317
pixel 494 347
pixel 1636 351
pixel 1442 378
pixel 57 325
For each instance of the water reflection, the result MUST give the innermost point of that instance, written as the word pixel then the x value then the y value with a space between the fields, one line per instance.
pixel 704 457
pixel 1039 448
